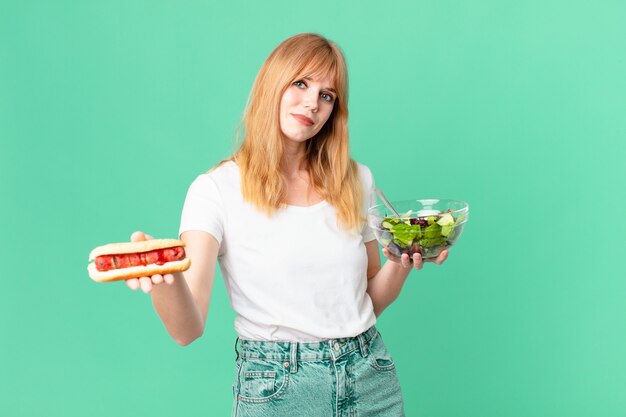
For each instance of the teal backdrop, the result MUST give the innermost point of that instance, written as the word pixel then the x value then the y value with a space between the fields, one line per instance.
pixel 109 109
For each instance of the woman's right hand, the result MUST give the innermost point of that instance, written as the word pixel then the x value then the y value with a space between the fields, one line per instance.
pixel 147 283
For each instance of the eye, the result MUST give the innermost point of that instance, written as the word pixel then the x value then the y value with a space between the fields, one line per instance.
pixel 299 84
pixel 327 97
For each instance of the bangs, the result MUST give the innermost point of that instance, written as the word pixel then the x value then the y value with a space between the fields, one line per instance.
pixel 322 63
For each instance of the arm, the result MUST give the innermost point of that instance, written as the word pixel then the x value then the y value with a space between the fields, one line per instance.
pixel 384 284
pixel 183 305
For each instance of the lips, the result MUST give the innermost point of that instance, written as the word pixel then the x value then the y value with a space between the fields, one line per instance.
pixel 303 119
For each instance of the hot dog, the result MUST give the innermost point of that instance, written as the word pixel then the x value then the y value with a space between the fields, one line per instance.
pixel 118 261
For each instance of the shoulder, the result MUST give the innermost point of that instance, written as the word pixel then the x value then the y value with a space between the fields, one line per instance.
pixel 224 171
pixel 223 174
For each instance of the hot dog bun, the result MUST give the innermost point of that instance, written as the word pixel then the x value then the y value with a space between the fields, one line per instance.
pixel 136 271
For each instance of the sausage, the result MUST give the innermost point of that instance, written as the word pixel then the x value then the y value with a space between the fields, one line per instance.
pixel 126 260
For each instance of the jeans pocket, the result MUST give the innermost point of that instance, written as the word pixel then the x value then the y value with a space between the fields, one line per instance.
pixel 261 380
pixel 379 356
pixel 258 384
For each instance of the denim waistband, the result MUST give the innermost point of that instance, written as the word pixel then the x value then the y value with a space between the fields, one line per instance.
pixel 331 349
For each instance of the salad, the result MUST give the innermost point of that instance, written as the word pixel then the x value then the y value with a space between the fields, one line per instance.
pixel 427 234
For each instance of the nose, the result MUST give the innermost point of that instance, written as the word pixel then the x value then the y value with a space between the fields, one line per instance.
pixel 310 101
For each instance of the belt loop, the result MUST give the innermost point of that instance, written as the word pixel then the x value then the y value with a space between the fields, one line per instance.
pixel 294 358
pixel 236 351
pixel 363 345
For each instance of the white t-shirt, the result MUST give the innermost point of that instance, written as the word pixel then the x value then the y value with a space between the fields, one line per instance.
pixel 294 276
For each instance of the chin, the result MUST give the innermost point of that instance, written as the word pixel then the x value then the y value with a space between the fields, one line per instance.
pixel 298 138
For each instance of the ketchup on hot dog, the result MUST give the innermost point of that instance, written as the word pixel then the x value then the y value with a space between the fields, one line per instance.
pixel 158 257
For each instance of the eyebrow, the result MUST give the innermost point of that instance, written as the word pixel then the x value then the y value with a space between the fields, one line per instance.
pixel 325 88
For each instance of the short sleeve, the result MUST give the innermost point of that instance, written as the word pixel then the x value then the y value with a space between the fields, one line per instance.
pixel 203 209
pixel 369 200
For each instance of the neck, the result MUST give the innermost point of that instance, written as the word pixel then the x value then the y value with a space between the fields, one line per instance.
pixel 293 160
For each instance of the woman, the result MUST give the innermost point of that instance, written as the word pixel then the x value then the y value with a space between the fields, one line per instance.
pixel 285 218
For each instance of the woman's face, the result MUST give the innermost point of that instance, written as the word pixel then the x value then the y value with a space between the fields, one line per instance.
pixel 305 107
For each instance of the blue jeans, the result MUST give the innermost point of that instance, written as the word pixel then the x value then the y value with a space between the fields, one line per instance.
pixel 347 377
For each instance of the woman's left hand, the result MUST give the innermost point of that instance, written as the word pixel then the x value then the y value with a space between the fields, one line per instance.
pixel 418 262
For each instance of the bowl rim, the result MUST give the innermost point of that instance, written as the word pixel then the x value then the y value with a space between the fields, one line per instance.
pixel 423 201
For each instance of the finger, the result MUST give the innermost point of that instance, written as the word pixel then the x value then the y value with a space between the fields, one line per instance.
pixel 137 236
pixel 157 279
pixel 441 258
pixel 390 256
pixel 133 283
pixel 418 262
pixel 146 284
pixel 169 279
pixel 140 236
pixel 405 260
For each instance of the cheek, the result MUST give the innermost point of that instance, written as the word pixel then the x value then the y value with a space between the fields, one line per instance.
pixel 284 108
pixel 327 114
pixel 288 99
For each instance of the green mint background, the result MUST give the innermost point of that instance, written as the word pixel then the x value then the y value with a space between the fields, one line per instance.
pixel 108 111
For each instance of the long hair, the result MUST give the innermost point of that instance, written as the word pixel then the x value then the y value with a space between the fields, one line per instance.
pixel 333 174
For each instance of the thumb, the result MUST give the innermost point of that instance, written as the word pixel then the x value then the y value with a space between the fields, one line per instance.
pixel 140 236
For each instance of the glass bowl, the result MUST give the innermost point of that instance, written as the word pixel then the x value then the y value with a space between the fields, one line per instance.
pixel 424 226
